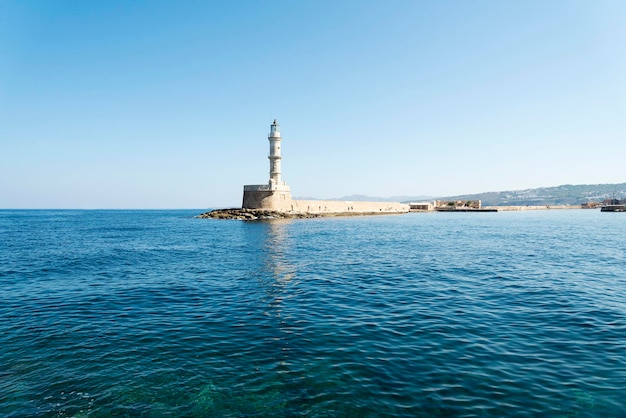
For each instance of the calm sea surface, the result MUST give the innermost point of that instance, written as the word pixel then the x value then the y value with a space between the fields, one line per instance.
pixel 156 313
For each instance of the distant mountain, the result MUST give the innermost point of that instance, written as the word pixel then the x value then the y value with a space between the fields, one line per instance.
pixel 566 194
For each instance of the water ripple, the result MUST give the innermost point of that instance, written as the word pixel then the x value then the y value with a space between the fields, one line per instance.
pixel 154 313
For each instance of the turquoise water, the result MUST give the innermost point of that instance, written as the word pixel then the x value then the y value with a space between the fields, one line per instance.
pixel 156 313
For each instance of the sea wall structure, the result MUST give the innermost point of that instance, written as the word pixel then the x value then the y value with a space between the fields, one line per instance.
pixel 276 195
pixel 337 206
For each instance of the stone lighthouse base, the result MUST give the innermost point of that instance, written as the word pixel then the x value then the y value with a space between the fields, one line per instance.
pixel 263 196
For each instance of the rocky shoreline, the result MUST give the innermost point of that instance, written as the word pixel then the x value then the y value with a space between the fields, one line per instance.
pixel 254 214
pixel 262 214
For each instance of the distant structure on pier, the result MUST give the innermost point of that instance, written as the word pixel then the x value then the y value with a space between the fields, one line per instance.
pixel 276 195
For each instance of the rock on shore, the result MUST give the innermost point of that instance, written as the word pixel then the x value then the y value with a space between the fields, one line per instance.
pixel 253 214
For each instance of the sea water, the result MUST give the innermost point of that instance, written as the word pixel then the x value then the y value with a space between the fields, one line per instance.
pixel 158 313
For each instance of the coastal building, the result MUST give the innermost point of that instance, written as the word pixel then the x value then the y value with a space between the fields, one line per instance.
pixel 421 206
pixel 276 195
pixel 457 204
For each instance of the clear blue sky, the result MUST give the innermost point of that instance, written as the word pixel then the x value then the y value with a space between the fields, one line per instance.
pixel 167 104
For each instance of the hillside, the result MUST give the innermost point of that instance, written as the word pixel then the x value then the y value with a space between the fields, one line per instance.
pixel 566 194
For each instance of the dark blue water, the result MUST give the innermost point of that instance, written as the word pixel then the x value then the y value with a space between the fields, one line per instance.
pixel 156 313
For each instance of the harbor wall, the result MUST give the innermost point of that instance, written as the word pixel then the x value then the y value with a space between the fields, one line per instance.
pixel 347 207
pixel 521 208
pixel 262 197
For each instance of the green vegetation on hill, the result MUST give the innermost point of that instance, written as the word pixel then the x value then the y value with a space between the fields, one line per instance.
pixel 566 194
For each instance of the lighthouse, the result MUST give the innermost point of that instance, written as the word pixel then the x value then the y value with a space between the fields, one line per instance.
pixel 274 195
pixel 274 157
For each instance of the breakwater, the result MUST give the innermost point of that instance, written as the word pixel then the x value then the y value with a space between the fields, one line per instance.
pixel 531 207
pixel 266 214
pixel 252 214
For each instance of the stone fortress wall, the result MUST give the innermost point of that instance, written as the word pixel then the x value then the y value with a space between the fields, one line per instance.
pixel 276 195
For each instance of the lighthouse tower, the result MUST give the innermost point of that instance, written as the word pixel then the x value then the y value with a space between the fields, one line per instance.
pixel 275 157
pixel 274 195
